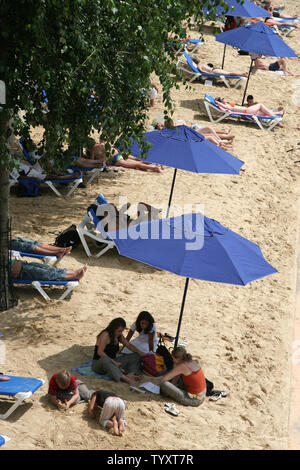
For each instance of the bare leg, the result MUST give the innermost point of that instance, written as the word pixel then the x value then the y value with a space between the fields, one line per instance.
pixel 44 249
pixel 121 426
pixel 224 72
pixel 138 165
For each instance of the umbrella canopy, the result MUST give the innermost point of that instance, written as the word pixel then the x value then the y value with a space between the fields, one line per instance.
pixel 193 246
pixel 256 38
pixel 245 10
pixel 184 148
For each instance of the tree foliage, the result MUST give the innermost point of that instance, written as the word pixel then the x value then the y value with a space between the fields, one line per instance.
pixel 65 47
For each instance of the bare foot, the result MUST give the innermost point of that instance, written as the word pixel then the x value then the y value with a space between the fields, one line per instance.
pixel 121 426
pixel 81 272
pixel 115 425
pixel 3 378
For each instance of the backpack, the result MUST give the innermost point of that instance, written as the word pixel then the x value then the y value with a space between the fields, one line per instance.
pixel 68 237
pixel 28 188
pixel 163 351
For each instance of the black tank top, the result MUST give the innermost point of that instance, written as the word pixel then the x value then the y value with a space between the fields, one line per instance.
pixel 111 349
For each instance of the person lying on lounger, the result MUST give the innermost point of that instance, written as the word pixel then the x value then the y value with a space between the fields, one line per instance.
pixel 279 65
pixel 273 22
pixel 24 271
pixel 98 153
pixel 33 247
pixel 276 14
pixel 209 68
pixel 257 109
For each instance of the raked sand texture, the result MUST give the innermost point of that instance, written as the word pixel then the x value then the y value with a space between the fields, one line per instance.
pixel 242 336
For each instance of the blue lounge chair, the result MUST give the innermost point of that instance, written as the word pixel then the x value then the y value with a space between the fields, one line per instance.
pixel 191 69
pixel 20 388
pixel 92 227
pixel 212 109
pixel 51 182
pixel 192 44
pixel 3 440
pixel 38 286
pixel 47 259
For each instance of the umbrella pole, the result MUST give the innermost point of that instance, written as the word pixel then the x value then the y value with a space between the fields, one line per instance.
pixel 224 52
pixel 181 310
pixel 250 70
pixel 171 193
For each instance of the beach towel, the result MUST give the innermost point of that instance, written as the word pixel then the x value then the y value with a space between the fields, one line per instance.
pixel 86 369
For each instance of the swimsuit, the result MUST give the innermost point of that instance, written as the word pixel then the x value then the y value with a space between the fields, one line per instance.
pixel 274 66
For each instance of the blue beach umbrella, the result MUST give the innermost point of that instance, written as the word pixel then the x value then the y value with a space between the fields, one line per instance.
pixel 245 10
pixel 193 246
pixel 256 38
pixel 184 148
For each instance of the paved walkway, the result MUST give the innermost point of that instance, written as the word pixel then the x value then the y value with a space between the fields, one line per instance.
pixel 294 414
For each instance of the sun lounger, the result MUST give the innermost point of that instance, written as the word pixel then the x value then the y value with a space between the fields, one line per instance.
pixel 212 109
pixel 191 69
pixel 92 227
pixel 46 259
pixel 38 286
pixel 192 45
pixel 283 29
pixel 3 440
pixel 20 388
pixel 52 182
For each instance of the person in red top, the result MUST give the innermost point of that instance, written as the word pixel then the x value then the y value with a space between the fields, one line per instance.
pixel 65 390
pixel 185 383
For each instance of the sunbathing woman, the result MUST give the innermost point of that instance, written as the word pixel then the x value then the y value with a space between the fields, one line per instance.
pixel 209 68
pixel 98 153
pixel 33 247
pixel 256 109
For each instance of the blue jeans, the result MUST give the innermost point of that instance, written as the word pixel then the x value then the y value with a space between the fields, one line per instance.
pixel 23 244
pixel 41 272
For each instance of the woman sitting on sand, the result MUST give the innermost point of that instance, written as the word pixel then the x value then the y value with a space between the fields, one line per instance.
pixel 98 153
pixel 186 382
pixel 33 247
pixel 24 271
pixel 257 109
pixel 106 360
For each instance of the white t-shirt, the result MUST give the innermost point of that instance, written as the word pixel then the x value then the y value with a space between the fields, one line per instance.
pixel 141 341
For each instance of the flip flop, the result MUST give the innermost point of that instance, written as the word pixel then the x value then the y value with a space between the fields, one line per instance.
pixel 171 409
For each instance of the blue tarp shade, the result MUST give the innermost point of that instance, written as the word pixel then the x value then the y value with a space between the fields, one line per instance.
pixel 184 148
pixel 19 384
pixel 257 38
pixel 225 256
pixel 246 9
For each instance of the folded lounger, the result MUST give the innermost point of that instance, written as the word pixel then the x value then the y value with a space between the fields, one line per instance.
pixel 92 227
pixel 38 286
pixel 20 388
pixel 3 440
pixel 195 73
pixel 263 122
pixel 51 182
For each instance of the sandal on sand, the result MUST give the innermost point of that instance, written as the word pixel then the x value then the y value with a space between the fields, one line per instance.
pixel 217 395
pixel 171 409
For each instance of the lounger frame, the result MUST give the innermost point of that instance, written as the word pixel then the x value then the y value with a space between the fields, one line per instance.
pixel 20 397
pixel 38 285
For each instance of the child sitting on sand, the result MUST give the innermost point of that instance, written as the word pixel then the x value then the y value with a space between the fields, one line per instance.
pixel 65 390
pixel 113 410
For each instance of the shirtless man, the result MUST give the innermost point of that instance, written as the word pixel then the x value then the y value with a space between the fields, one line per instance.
pixel 280 64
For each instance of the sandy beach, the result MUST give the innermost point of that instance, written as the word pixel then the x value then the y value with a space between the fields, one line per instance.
pixel 242 336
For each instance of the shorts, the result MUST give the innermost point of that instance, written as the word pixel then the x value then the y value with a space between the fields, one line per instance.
pixel 23 244
pixel 274 67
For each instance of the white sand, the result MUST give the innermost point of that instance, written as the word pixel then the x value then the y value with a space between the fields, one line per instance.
pixel 241 335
